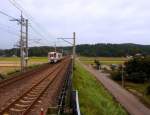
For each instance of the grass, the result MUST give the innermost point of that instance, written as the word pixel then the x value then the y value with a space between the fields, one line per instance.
pixel 94 99
pixel 141 89
pixel 103 60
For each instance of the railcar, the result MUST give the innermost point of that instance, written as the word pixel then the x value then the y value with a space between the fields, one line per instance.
pixel 54 57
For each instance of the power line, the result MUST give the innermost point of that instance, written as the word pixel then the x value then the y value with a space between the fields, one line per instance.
pixel 8 31
pixel 14 4
pixel 38 28
pixel 35 30
pixel 18 6
pixel 7 14
pixel 6 26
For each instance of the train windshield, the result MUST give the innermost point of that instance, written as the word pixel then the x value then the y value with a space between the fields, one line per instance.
pixel 52 55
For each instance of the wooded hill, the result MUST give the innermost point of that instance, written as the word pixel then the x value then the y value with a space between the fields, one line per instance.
pixel 106 50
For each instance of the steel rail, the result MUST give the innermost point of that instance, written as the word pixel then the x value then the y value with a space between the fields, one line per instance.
pixel 20 77
pixel 28 91
pixel 44 90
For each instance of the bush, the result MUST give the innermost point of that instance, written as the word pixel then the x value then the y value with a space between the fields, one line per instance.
pixel 137 77
pixel 116 75
pixel 138 68
pixel 98 64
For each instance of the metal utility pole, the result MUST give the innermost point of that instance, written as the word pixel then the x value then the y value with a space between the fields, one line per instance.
pixel 26 48
pixel 55 47
pixel 23 41
pixel 73 45
pixel 122 76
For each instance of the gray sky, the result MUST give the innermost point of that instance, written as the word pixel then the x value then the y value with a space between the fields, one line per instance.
pixel 94 21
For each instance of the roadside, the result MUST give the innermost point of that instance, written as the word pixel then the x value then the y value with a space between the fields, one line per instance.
pixel 93 98
pixel 127 100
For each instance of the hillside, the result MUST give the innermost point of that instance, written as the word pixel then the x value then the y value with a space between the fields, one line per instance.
pixel 106 50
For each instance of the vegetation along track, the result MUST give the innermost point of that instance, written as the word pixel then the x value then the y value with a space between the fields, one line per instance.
pixel 22 104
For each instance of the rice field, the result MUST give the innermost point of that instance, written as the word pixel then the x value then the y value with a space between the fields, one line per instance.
pixel 9 64
pixel 104 60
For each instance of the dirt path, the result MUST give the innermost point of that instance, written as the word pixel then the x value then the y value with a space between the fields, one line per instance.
pixel 125 98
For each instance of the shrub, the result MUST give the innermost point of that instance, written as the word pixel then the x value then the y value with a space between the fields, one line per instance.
pixel 116 75
pixel 98 64
pixel 137 77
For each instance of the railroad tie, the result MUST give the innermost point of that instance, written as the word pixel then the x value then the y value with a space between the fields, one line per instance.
pixel 16 110
pixel 24 101
pixel 21 105
pixel 34 93
pixel 29 98
pixel 31 95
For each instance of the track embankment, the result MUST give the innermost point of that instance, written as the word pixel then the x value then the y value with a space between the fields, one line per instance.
pixel 28 93
pixel 125 98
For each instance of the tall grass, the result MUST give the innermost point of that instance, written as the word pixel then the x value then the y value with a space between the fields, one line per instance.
pixel 94 99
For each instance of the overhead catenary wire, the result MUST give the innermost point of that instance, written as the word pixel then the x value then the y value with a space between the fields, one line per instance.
pixel 18 6
pixel 1 12
pixel 9 31
pixel 34 26
pixel 14 4
pixel 7 26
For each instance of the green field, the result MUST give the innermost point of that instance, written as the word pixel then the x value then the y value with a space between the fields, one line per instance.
pixel 94 99
pixel 103 60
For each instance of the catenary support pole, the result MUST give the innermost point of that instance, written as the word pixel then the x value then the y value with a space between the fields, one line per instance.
pixel 26 47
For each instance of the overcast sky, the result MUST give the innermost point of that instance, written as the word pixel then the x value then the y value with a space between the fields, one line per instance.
pixel 94 21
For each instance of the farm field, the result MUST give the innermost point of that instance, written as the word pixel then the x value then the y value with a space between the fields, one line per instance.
pixel 94 99
pixel 104 60
pixel 6 70
pixel 9 64
pixel 139 90
pixel 17 59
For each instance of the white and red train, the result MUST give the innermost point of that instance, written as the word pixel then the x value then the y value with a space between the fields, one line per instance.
pixel 54 57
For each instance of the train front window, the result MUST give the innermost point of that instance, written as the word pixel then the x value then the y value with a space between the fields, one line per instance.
pixel 54 54
pixel 51 55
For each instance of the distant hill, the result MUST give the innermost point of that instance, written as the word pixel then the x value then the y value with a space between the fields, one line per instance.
pixel 113 50
pixel 108 50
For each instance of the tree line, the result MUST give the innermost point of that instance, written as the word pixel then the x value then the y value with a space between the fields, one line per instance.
pixel 96 50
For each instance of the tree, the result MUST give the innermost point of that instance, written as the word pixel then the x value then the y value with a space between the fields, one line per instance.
pixel 138 69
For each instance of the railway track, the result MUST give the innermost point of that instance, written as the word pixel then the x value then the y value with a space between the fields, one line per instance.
pixel 8 81
pixel 22 104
